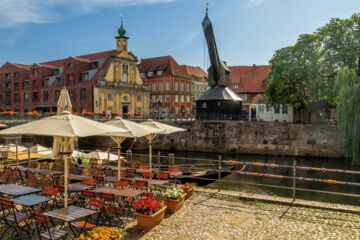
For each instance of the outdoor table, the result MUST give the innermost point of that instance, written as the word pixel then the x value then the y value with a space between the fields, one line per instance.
pixel 70 214
pixel 31 200
pixel 78 177
pixel 17 190
pixel 77 187
pixel 40 171
pixel 152 181
pixel 173 174
pixel 114 168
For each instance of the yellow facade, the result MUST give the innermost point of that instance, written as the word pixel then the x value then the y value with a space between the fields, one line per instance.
pixel 122 89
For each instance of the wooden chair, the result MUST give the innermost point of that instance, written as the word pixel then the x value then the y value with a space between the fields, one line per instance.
pixel 46 181
pixel 58 166
pixel 173 169
pixel 60 180
pixel 14 177
pixel 148 175
pixel 138 185
pixel 95 171
pixel 4 158
pixel 46 228
pixel 89 181
pixel 162 176
pixel 86 172
pixel 33 164
pixel 93 161
pixel 105 161
pixel 122 174
pixel 52 193
pixel 121 184
pixel 32 181
pixel 144 167
pixel 108 171
pixel 74 169
pixel 5 175
pixel 44 165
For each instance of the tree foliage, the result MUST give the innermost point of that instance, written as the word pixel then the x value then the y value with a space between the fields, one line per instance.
pixel 347 85
pixel 303 75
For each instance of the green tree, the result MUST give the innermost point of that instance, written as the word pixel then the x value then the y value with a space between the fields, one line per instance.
pixel 347 86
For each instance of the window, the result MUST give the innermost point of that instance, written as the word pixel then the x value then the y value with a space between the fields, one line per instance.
pixel 16 86
pixel 125 73
pixel 262 97
pixel 236 85
pixel 181 86
pixel 167 86
pixel 138 110
pixel 176 86
pixel 58 81
pixel 95 65
pixel 261 108
pixel 16 98
pixel 34 72
pixel 110 96
pixel 56 71
pixel 46 96
pixel 245 76
pixel 160 98
pixel 72 96
pixel 26 97
pixel 34 84
pixel 182 98
pixel 154 86
pixel 277 109
pixel 153 98
pixel 176 98
pixel 7 99
pixel 159 73
pixel 188 99
pixel 70 66
pixel 150 74
pixel 57 93
pixel 167 99
pixel 284 109
pixel 82 94
pixel 46 82
pixel 85 76
pixel 70 79
pixel 138 98
pixel 8 85
pixel 16 76
pixel 26 84
pixel 126 98
pixel 35 97
pixel 160 86
pixel 187 87
pixel 243 96
pixel 142 74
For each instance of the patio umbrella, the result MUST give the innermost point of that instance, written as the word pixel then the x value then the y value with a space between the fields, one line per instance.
pixel 63 104
pixel 166 129
pixel 65 128
pixel 41 150
pixel 12 148
pixel 137 130
pixel 102 155
pixel 3 125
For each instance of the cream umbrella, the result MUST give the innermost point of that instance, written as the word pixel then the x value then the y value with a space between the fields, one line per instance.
pixel 39 149
pixel 166 129
pixel 63 104
pixel 3 125
pixel 65 128
pixel 102 155
pixel 12 148
pixel 137 130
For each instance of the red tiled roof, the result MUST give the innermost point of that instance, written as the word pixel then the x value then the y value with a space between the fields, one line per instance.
pixel 167 64
pixel 24 66
pixel 251 78
pixel 195 71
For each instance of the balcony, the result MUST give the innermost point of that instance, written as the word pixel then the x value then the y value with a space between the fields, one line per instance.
pixel 120 85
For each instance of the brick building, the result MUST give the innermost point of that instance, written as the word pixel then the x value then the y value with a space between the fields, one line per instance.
pixel 93 80
pixel 170 86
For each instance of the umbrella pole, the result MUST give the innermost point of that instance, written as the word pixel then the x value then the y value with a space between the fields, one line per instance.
pixel 17 154
pixel 119 161
pixel 150 156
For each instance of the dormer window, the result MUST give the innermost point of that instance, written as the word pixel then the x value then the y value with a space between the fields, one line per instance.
pixel 34 71
pixel 95 65
pixel 159 73
pixel 70 66
pixel 85 76
pixel 46 82
pixel 150 74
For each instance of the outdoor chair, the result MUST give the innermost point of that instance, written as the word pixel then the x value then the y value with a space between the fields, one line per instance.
pixel 33 164
pixel 105 161
pixel 173 169
pixel 46 228
pixel 121 184
pixel 162 175
pixel 32 181
pixel 14 176
pixel 99 181
pixel 108 171
pixel 5 175
pixel 144 167
pixel 85 196
pixel 141 185
pixel 122 174
pixel 4 158
pixel 29 173
pixel 89 181
pixel 58 166
pixel 74 169
pixel 44 165
pixel 113 209
pixel 93 161
pixel 60 180
pixel 148 175
pixel 46 181
pixel 52 193
pixel 130 172
pixel 95 171
pixel 15 220
pixel 86 172
pixel 96 205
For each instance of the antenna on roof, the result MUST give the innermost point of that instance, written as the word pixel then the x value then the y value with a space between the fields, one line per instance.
pixel 207 8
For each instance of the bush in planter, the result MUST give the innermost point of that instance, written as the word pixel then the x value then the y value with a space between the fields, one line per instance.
pixel 189 189
pixel 174 199
pixel 105 233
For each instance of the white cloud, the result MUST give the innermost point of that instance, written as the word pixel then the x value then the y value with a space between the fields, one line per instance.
pixel 19 12
pixel 252 3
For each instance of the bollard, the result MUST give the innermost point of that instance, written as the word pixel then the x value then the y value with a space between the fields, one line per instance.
pixel 171 159
pixel 219 174
pixel 129 157
pixel 294 181
pixel 159 160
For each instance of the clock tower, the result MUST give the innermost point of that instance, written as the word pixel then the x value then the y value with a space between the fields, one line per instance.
pixel 121 39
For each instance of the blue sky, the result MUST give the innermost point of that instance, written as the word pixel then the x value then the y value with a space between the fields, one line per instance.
pixel 247 31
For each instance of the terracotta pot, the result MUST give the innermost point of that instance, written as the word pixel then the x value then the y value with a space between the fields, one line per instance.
pixel 147 222
pixel 174 205
pixel 189 193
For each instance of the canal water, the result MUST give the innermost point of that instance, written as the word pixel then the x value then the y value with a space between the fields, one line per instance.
pixel 236 179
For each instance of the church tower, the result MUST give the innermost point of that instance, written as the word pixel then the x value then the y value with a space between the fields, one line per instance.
pixel 121 39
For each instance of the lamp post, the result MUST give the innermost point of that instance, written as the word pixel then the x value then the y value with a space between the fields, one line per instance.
pixel 158 105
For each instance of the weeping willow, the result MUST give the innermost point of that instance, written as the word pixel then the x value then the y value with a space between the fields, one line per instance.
pixel 348 111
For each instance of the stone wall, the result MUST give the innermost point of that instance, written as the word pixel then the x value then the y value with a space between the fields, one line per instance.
pixel 256 138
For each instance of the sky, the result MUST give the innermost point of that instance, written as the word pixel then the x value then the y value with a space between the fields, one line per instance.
pixel 246 31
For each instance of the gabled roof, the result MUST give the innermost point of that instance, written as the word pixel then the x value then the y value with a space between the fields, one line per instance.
pixel 251 78
pixel 23 66
pixel 194 71
pixel 167 64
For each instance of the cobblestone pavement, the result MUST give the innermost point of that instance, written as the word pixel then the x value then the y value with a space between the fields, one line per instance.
pixel 206 217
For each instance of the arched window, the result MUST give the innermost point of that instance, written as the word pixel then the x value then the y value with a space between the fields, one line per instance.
pixel 125 73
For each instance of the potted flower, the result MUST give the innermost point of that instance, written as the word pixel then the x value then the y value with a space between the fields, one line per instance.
pixel 149 213
pixel 188 189
pixel 109 233
pixel 174 199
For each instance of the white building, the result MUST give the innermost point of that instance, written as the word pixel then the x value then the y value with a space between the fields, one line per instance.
pixel 282 113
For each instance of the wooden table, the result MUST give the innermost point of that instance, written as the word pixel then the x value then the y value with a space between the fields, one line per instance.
pixel 39 171
pixel 173 174
pixel 152 181
pixel 129 193
pixel 77 187
pixel 31 200
pixel 78 177
pixel 70 214
pixel 17 190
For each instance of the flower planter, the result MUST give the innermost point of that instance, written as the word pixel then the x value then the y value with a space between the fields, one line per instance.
pixel 189 193
pixel 147 222
pixel 174 205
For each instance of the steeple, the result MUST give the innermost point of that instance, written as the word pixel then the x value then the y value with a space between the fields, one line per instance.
pixel 121 40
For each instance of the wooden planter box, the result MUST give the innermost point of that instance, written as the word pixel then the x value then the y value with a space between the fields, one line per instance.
pixel 189 193
pixel 147 222
pixel 174 205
